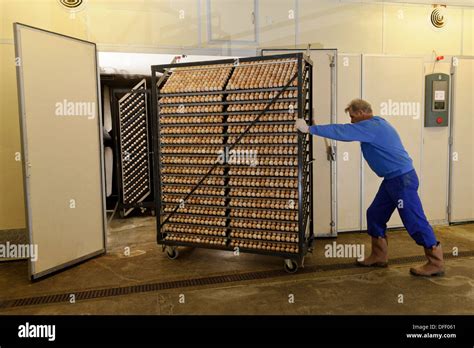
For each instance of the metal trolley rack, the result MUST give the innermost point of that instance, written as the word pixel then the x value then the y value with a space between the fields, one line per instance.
pixel 231 172
pixel 133 166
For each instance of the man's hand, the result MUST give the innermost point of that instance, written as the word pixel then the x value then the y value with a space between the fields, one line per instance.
pixel 301 125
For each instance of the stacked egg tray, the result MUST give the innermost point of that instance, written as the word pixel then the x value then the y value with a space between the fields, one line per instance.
pixel 134 147
pixel 256 197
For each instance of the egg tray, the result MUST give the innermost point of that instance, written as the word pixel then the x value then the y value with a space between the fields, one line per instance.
pixel 272 248
pixel 133 145
pixel 191 100
pixel 271 74
pixel 197 154
pixel 228 113
pixel 185 151
pixel 192 170
pixel 163 145
pixel 264 224
pixel 288 95
pixel 264 140
pixel 197 210
pixel 200 230
pixel 191 150
pixel 180 180
pixel 192 120
pixel 263 172
pixel 268 204
pixel 275 236
pixel 184 107
pixel 204 140
pixel 191 109
pixel 223 92
pixel 283 118
pixel 213 216
pixel 205 79
pixel 225 165
pixel 215 201
pixel 196 130
pixel 190 240
pixel 240 121
pixel 268 151
pixel 263 183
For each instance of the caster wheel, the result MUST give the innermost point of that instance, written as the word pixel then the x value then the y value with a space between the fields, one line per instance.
pixel 121 213
pixel 172 253
pixel 291 266
pixel 153 212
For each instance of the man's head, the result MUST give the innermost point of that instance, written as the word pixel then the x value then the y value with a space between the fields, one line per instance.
pixel 359 110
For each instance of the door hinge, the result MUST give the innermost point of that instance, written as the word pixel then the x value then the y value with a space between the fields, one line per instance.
pixel 28 169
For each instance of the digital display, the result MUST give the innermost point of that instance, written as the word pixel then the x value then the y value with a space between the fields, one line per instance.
pixel 439 105
pixel 440 89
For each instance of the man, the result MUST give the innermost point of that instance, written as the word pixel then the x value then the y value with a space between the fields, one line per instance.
pixel 386 156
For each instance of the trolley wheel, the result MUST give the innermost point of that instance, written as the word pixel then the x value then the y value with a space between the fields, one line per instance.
pixel 291 266
pixel 172 253
pixel 153 212
pixel 122 213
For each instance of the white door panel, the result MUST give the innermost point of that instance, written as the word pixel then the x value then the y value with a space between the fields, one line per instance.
pixel 62 147
pixel 348 153
pixel 394 87
pixel 462 152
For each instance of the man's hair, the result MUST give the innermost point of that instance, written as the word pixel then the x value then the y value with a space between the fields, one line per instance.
pixel 359 105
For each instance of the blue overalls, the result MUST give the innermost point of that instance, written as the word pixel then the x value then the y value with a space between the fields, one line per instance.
pixel 386 156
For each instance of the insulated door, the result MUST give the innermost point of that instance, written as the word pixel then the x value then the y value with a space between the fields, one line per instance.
pixel 462 150
pixel 324 168
pixel 62 147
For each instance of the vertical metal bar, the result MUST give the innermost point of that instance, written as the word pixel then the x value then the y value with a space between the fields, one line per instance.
pixel 151 159
pixel 334 159
pixel 310 93
pixel 154 121
pixel 300 157
pixel 118 153
pixel 101 148
pixel 451 140
pixel 362 184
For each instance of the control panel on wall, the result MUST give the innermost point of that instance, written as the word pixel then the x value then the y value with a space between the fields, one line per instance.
pixel 436 100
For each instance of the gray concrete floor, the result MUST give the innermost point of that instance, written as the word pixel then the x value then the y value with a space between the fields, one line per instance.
pixel 345 291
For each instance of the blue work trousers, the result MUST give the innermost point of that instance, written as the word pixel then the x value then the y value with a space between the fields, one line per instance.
pixel 401 193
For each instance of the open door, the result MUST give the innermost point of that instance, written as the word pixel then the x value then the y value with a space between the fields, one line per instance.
pixel 461 193
pixel 324 151
pixel 61 132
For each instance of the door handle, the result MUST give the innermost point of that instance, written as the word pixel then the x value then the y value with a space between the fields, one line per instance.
pixel 330 151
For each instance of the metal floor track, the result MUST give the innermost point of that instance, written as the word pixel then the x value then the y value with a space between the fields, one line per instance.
pixel 196 282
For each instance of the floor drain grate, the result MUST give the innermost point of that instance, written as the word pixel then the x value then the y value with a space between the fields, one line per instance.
pixel 213 280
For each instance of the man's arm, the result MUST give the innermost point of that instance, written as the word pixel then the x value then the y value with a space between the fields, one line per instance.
pixel 343 132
